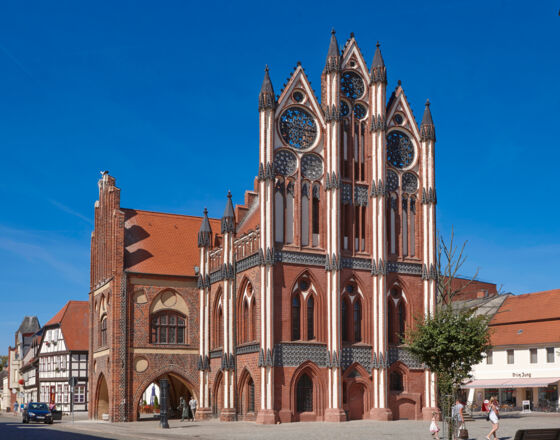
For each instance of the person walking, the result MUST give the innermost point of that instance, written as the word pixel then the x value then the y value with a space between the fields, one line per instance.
pixel 493 416
pixel 193 404
pixel 457 417
pixel 434 428
pixel 183 408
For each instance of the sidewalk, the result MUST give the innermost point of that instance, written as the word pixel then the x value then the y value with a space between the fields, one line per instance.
pixel 399 430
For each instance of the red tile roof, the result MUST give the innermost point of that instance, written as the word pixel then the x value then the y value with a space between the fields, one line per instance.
pixel 166 244
pixel 536 306
pixel 533 318
pixel 73 321
pixel 526 333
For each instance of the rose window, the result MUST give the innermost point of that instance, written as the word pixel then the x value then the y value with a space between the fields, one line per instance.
pixel 285 163
pixel 352 85
pixel 400 151
pixel 392 181
pixel 409 183
pixel 311 166
pixel 298 128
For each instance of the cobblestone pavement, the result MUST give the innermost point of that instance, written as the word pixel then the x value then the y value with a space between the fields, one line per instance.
pixel 11 428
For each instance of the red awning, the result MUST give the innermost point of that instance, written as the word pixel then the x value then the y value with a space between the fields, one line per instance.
pixel 517 382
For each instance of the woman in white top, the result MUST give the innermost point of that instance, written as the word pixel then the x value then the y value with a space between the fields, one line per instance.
pixel 493 413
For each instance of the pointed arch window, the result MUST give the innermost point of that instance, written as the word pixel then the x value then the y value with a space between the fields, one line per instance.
pixel 357 321
pixel 397 316
pixel 310 318
pixel 401 317
pixel 290 212
pixel 315 215
pixel 245 333
pixel 251 396
pixel 305 214
pixel 351 314
pixel 412 226
pixel 253 320
pixel 404 226
pixel 304 394
pixel 344 319
pixel 103 331
pixel 296 319
pixel 396 381
pixel 279 212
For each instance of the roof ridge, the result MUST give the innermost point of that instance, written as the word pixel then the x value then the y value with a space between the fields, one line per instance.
pixel 167 214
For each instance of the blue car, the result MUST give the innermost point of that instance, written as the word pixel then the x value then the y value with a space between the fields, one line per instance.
pixel 37 412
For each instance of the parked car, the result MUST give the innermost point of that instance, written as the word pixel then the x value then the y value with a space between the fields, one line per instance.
pixel 37 412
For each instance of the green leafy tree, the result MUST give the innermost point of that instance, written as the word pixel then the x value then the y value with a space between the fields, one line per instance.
pixel 3 362
pixel 452 339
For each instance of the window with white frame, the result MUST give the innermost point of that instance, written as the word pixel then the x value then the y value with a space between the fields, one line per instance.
pixel 533 354
pixel 489 357
pixel 80 394
pixel 549 355
pixel 510 357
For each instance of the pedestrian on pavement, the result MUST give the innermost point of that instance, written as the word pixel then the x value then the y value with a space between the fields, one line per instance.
pixel 16 406
pixel 494 417
pixel 434 428
pixel 183 408
pixel 457 417
pixel 193 404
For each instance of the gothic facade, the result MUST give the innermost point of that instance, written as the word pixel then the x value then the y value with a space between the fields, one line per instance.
pixel 291 307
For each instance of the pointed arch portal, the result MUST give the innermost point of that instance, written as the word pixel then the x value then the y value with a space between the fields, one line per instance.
pixel 178 387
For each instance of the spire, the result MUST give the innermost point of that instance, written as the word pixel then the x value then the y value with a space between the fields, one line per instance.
pixel 427 129
pixel 266 95
pixel 205 231
pixel 333 55
pixel 228 219
pixel 378 70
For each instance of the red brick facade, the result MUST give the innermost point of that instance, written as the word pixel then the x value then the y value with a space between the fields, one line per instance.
pixel 296 307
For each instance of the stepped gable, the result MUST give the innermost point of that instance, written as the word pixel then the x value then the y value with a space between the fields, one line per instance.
pixel 248 214
pixel 164 244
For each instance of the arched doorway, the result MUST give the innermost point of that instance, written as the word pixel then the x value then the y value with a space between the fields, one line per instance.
pixel 102 404
pixel 218 395
pixel 356 401
pixel 149 403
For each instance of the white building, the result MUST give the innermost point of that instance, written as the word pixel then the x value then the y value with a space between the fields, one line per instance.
pixel 524 364
pixel 63 355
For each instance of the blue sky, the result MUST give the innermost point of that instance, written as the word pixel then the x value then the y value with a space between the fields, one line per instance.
pixel 164 96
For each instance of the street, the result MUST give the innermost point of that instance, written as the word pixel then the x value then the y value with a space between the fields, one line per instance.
pixel 11 428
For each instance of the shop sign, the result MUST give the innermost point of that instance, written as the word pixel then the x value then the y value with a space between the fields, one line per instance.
pixel 522 374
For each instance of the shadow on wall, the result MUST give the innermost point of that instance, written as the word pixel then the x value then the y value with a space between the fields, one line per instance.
pixel 20 431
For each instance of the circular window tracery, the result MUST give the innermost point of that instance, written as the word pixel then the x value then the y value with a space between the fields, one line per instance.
pixel 392 180
pixel 298 96
pixel 400 151
pixel 344 109
pixel 285 163
pixel 298 128
pixel 352 85
pixel 311 166
pixel 359 111
pixel 399 119
pixel 409 183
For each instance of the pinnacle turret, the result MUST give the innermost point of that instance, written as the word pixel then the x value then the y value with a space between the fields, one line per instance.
pixel 378 69
pixel 228 219
pixel 266 95
pixel 427 129
pixel 205 231
pixel 333 55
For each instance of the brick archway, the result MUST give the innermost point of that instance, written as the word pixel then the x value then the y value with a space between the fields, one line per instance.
pixel 101 398
pixel 178 386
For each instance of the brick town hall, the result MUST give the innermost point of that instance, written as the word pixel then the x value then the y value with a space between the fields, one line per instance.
pixel 291 306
